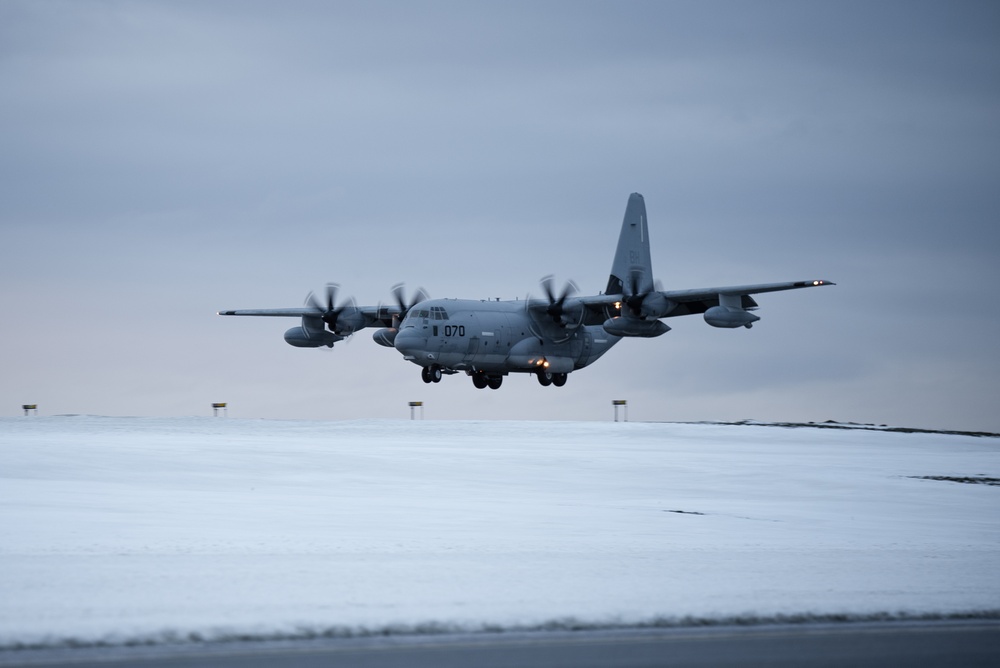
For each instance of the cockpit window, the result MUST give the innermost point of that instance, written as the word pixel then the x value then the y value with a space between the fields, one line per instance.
pixel 434 313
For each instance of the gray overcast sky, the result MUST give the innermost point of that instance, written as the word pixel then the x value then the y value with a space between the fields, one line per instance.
pixel 164 160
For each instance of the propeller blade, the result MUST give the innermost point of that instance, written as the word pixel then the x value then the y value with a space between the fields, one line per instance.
pixel 397 292
pixel 555 308
pixel 400 294
pixel 630 293
pixel 570 290
pixel 331 296
pixel 547 287
pixel 312 303
pixel 329 312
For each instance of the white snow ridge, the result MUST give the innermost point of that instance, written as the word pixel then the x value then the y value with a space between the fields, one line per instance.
pixel 125 530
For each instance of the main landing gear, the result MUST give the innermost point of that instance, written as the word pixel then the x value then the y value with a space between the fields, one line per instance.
pixel 481 380
pixel 546 378
pixel 431 374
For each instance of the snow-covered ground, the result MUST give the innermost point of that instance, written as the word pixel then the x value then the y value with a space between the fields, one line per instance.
pixel 125 529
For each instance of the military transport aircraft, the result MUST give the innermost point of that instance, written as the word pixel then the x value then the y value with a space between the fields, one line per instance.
pixel 548 337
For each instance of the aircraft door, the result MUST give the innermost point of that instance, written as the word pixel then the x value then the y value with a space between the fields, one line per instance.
pixel 473 348
pixel 475 338
pixel 503 337
pixel 588 344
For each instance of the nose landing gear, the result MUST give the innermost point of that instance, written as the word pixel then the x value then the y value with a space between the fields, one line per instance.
pixel 431 374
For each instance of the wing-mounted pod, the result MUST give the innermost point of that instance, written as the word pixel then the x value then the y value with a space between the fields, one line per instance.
pixel 730 313
pixel 628 326
pixel 311 334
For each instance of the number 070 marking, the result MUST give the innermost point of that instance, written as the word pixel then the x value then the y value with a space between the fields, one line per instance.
pixel 454 330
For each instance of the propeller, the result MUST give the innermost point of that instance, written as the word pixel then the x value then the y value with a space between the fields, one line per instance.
pixel 556 309
pixel 400 294
pixel 649 304
pixel 631 295
pixel 329 313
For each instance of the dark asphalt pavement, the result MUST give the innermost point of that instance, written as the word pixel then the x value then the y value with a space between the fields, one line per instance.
pixel 917 644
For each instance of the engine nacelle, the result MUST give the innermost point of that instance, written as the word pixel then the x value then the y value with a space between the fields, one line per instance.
pixel 386 337
pixel 729 317
pixel 349 321
pixel 301 337
pixel 572 314
pixel 655 305
pixel 619 326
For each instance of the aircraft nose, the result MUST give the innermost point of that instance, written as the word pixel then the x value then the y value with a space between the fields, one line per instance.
pixel 409 342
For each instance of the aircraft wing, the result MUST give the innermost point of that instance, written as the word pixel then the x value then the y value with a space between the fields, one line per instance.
pixel 373 316
pixel 700 300
pixel 276 312
pixel 673 303
pixel 704 293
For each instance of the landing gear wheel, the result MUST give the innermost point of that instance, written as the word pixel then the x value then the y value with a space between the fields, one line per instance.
pixel 435 374
pixel 494 382
pixel 479 380
pixel 545 378
pixel 559 379
pixel 425 374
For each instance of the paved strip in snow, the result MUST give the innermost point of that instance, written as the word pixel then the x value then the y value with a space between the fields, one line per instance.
pixel 916 645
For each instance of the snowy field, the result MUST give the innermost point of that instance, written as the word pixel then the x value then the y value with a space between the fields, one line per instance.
pixel 143 529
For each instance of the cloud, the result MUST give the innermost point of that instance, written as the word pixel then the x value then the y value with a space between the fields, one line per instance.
pixel 162 161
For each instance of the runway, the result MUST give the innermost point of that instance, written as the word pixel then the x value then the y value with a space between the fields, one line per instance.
pixel 915 644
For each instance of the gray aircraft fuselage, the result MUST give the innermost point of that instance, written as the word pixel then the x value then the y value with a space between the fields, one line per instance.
pixel 495 337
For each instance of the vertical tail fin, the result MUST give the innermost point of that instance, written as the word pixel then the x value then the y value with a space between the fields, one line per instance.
pixel 632 270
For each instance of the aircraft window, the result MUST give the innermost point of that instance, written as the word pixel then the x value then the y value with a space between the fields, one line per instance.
pixel 422 314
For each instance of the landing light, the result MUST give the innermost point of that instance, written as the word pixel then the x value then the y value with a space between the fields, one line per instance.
pixel 817 282
pixel 618 306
